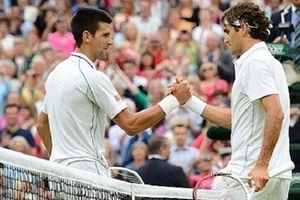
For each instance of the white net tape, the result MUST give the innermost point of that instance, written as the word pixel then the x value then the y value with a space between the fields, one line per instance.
pixel 69 183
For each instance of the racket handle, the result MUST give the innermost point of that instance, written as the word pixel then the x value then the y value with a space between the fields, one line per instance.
pixel 277 171
pixel 281 169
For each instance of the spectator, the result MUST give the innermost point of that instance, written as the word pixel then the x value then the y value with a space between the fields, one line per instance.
pixel 12 129
pixel 172 22
pixel 19 144
pixel 129 37
pixel 30 93
pixel 157 171
pixel 189 11
pixel 203 167
pixel 160 9
pixel 126 13
pixel 206 24
pixel 62 39
pixel 147 66
pixel 139 155
pixel 5 87
pixel 21 60
pixel 210 81
pixel 145 22
pixel 182 154
pixel 185 40
pixel 212 51
pixel 32 42
pixel 217 8
pixel 6 39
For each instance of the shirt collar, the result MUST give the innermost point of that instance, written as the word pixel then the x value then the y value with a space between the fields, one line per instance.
pixel 83 57
pixel 245 55
pixel 156 156
pixel 294 8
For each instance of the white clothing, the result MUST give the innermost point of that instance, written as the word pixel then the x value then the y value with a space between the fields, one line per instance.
pixel 281 193
pixel 200 35
pixel 151 25
pixel 78 100
pixel 258 74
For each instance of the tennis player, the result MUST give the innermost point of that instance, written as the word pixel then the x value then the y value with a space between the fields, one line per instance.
pixel 259 114
pixel 79 98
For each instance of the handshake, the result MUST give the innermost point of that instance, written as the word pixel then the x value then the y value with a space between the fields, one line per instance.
pixel 180 93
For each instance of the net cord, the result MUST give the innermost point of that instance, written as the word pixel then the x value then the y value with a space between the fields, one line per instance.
pixel 37 165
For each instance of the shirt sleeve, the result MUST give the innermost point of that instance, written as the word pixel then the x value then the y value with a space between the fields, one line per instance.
pixel 105 95
pixel 44 105
pixel 259 80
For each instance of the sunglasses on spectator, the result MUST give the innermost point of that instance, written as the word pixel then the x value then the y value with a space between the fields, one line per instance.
pixel 207 69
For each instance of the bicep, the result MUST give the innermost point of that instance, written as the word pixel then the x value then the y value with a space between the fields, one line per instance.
pixel 43 118
pixel 271 104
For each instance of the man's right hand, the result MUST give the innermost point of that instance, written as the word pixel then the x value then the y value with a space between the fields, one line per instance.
pixel 181 90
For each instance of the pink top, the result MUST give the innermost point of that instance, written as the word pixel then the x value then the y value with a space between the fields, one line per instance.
pixel 65 43
pixel 205 184
pixel 209 90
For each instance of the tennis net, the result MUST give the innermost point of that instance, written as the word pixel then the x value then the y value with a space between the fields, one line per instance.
pixel 27 177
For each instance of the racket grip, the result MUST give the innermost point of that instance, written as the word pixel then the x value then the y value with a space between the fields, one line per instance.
pixel 281 169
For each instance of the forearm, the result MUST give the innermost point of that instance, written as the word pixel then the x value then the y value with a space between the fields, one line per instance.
pixel 43 129
pixel 218 115
pixel 46 138
pixel 271 134
pixel 133 123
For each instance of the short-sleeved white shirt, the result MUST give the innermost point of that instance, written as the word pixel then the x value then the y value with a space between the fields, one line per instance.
pixel 258 74
pixel 78 100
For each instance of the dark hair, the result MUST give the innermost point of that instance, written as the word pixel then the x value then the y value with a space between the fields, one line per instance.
pixel 11 106
pixel 156 143
pixel 142 66
pixel 250 14
pixel 88 19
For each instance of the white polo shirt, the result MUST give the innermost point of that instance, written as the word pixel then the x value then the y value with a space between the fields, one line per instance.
pixel 258 74
pixel 78 100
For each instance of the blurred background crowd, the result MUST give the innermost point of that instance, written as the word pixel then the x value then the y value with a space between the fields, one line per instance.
pixel 154 41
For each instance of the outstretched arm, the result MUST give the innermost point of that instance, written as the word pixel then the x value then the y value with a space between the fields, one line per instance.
pixel 133 123
pixel 44 131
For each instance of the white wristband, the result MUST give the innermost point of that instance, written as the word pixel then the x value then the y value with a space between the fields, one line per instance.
pixel 196 105
pixel 168 104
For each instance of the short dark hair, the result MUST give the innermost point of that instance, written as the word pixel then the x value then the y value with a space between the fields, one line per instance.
pixel 156 142
pixel 88 19
pixel 250 14
pixel 13 105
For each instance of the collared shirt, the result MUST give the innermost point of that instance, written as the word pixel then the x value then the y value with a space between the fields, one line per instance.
pixel 183 157
pixel 78 100
pixel 258 74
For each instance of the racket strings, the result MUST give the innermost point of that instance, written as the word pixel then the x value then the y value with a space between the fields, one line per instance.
pixel 125 175
pixel 226 188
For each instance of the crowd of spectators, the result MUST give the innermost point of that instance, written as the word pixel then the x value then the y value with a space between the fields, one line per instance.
pixel 154 41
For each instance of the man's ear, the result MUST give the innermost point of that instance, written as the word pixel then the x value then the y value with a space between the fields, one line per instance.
pixel 86 36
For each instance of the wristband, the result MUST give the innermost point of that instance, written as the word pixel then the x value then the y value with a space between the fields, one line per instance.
pixel 196 105
pixel 168 104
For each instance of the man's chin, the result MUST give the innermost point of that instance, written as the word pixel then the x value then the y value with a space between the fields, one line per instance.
pixel 103 56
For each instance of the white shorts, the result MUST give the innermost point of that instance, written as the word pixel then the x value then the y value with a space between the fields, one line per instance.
pixel 276 188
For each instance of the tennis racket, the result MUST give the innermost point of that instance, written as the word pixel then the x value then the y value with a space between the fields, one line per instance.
pixel 125 174
pixel 227 186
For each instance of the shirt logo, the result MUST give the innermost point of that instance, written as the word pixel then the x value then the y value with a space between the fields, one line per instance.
pixel 118 97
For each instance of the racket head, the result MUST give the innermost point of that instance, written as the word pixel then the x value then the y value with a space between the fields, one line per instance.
pixel 224 185
pixel 125 174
